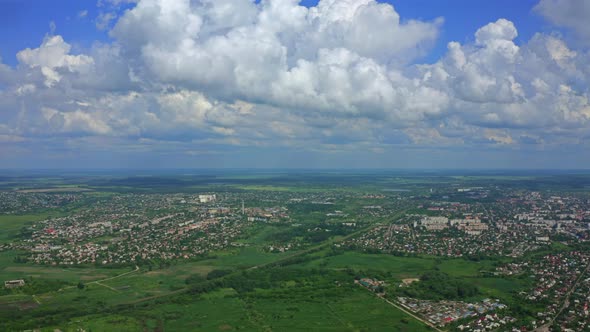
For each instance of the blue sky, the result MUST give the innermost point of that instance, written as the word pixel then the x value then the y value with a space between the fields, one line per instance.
pixel 29 21
pixel 277 83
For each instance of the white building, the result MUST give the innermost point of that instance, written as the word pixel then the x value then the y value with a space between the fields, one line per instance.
pixel 14 283
pixel 435 223
pixel 206 198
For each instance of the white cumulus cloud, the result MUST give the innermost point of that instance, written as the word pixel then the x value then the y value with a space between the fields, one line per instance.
pixel 338 76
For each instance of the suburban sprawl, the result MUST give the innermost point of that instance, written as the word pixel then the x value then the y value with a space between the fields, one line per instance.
pixel 279 251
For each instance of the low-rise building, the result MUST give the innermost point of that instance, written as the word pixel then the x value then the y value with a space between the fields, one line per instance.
pixel 14 283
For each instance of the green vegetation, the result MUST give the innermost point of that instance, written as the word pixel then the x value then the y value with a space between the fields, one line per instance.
pixel 12 225
pixel 436 285
pixel 244 285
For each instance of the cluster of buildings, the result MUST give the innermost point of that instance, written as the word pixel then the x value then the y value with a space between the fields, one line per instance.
pixel 488 322
pixel 576 315
pixel 207 198
pixel 516 223
pixel 371 284
pixel 442 313
pixel 556 276
pixel 471 226
pixel 277 248
pixel 445 206
pixel 439 236
pixel 567 215
pixel 126 229
pixel 173 238
pixel 561 287
pixel 130 227
pixel 269 214
pixel 434 223
pixel 15 202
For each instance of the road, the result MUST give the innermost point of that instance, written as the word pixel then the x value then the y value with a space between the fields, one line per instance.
pixel 107 286
pixel 98 282
pixel 409 313
pixel 566 302
pixel 115 277
pixel 318 247
pixel 107 279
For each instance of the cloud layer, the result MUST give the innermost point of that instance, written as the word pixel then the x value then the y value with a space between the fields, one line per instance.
pixel 341 77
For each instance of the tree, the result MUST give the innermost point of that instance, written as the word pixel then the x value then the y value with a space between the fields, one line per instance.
pixel 217 273
pixel 194 279
pixel 81 285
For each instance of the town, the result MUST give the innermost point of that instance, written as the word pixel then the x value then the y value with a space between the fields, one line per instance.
pixel 535 242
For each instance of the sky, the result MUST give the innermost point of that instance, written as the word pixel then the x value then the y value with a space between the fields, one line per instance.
pixel 295 84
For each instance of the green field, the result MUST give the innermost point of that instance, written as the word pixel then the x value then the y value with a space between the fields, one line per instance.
pixel 323 307
pixel 243 287
pixel 395 269
pixel 11 270
pixel 10 225
pixel 302 296
pixel 398 267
